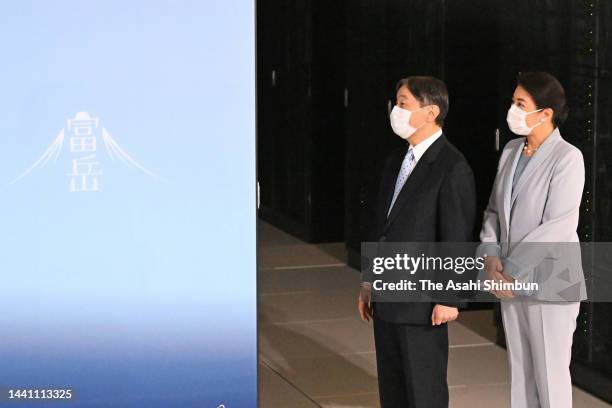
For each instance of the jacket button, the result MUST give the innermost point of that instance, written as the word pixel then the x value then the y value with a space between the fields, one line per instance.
pixel 383 238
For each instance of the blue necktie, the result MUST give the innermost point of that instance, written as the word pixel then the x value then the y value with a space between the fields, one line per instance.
pixel 404 173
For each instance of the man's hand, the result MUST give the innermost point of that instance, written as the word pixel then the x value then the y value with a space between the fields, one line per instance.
pixel 495 268
pixel 364 303
pixel 442 314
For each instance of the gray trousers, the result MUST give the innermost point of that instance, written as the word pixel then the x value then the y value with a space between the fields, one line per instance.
pixel 539 340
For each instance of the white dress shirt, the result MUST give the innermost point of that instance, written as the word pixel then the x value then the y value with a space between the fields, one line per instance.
pixel 420 149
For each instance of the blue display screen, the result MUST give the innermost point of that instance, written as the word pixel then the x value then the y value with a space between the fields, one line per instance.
pixel 127 202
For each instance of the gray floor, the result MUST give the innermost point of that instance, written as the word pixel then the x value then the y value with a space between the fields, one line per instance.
pixel 315 351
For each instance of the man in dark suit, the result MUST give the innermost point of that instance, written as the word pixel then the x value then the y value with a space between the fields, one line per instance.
pixel 427 194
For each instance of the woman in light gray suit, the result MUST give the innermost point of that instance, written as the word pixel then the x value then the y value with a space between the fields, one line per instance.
pixel 536 199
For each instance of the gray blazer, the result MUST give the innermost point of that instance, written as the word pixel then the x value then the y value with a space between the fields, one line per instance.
pixel 533 227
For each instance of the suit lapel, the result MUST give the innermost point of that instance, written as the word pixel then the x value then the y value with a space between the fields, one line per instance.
pixel 507 180
pixel 389 186
pixel 415 180
pixel 536 160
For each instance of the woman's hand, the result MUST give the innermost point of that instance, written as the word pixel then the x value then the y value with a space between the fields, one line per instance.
pixel 495 269
pixel 505 294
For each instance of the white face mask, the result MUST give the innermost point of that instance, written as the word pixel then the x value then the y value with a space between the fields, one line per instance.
pixel 400 121
pixel 517 120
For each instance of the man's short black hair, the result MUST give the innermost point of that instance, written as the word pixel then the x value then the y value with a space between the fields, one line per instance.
pixel 428 91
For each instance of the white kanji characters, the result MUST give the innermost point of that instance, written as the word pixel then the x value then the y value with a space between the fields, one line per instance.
pixel 83 140
pixel 84 175
pixel 82 124
pixel 82 144
pixel 83 132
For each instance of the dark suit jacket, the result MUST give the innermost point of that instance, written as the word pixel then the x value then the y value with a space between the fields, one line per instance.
pixel 436 204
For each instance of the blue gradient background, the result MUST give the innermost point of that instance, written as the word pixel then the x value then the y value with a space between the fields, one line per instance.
pixel 142 294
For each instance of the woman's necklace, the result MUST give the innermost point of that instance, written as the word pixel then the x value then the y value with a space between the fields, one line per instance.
pixel 529 150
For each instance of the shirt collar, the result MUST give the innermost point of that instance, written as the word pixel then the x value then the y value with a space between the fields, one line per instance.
pixel 420 149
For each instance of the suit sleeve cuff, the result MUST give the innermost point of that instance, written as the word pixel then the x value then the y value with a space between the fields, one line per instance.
pixel 458 305
pixel 511 269
pixel 488 249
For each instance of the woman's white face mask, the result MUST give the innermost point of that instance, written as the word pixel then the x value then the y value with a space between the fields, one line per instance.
pixel 517 120
pixel 400 121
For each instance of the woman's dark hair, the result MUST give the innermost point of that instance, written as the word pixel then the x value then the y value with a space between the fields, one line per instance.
pixel 547 92
pixel 428 91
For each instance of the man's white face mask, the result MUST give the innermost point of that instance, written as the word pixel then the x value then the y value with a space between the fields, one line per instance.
pixel 400 121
